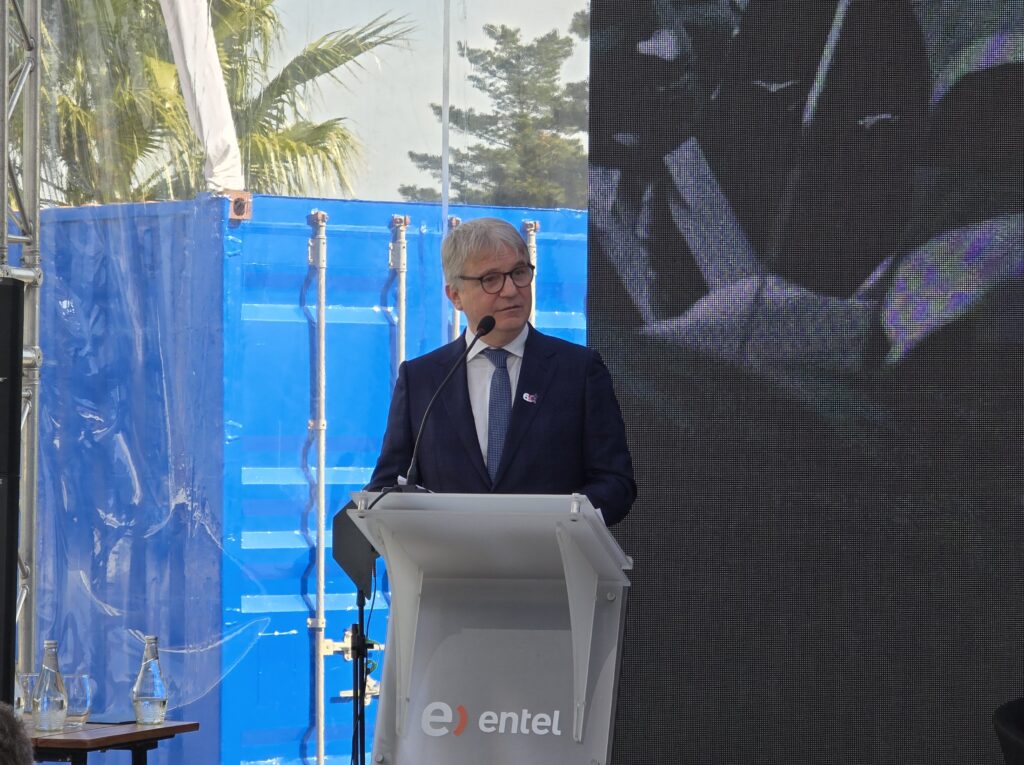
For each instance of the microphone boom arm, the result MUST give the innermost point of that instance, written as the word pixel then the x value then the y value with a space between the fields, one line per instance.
pixel 412 474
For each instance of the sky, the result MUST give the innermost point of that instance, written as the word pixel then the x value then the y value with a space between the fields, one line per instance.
pixel 387 102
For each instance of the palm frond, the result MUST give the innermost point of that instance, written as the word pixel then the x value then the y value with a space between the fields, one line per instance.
pixel 247 33
pixel 301 155
pixel 323 57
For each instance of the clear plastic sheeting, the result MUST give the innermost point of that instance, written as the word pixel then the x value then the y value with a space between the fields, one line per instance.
pixel 174 499
pixel 130 507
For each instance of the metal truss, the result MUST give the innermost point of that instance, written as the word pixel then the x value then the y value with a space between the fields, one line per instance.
pixel 19 189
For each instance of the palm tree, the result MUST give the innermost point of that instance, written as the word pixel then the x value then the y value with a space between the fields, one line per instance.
pixel 282 151
pixel 107 101
pixel 114 121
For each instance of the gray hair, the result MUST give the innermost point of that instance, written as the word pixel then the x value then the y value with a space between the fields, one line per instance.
pixel 15 745
pixel 478 235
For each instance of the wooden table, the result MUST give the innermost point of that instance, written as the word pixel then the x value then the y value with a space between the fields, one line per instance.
pixel 74 744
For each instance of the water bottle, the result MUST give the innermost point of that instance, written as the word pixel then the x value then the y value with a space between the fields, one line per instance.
pixel 49 700
pixel 149 694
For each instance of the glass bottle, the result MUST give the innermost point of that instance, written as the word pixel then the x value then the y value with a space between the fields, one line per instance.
pixel 49 700
pixel 149 694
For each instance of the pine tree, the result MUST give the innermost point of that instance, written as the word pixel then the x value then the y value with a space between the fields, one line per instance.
pixel 529 149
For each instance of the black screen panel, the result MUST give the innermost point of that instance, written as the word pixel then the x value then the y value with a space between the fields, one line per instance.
pixel 806 250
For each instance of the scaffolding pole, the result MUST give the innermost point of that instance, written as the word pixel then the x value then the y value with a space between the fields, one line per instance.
pixel 530 231
pixel 398 261
pixel 19 188
pixel 452 222
pixel 318 259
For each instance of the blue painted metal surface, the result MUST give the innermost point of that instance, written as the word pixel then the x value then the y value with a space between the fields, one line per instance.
pixel 176 396
pixel 131 469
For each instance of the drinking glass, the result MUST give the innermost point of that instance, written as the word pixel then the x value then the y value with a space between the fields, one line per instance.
pixel 26 684
pixel 79 690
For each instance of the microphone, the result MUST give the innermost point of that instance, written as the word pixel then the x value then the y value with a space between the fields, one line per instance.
pixel 412 474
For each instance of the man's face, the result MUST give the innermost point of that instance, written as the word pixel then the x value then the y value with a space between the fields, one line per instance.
pixel 510 307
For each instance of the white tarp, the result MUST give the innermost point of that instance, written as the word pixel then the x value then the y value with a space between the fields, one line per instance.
pixel 202 84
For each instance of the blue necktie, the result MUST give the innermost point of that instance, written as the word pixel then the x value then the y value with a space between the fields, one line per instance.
pixel 499 409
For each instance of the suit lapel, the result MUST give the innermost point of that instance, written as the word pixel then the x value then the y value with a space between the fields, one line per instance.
pixel 455 401
pixel 535 377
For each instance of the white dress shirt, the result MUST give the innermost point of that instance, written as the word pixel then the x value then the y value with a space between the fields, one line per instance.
pixel 478 374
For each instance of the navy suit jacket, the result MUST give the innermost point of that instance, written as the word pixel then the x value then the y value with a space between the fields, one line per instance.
pixel 565 435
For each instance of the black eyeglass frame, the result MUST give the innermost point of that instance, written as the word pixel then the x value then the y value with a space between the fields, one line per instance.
pixel 528 267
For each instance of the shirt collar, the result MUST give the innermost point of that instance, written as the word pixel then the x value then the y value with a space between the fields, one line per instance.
pixel 516 347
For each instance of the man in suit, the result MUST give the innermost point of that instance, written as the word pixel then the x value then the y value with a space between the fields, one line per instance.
pixel 529 414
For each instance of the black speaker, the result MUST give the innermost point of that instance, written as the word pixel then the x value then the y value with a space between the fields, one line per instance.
pixel 12 311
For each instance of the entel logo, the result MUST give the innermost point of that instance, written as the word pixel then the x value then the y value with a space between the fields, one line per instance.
pixel 438 717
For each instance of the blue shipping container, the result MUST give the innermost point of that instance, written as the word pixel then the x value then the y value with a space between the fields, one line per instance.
pixel 175 400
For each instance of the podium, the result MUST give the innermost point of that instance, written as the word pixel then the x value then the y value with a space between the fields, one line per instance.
pixel 504 640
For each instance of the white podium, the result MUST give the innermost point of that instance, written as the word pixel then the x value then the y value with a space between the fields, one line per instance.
pixel 504 639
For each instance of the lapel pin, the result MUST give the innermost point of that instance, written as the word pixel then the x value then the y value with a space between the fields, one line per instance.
pixel 530 398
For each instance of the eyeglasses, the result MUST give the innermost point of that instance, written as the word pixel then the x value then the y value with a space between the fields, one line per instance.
pixel 494 282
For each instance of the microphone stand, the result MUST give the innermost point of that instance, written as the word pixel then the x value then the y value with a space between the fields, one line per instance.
pixel 358 645
pixel 356 557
